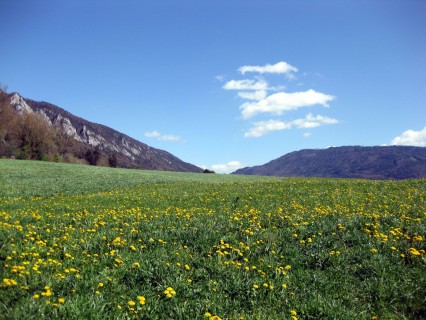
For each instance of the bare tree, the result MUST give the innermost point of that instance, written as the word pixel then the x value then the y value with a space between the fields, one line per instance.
pixel 7 120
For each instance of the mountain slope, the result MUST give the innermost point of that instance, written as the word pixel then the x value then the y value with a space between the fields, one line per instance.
pixel 388 162
pixel 130 152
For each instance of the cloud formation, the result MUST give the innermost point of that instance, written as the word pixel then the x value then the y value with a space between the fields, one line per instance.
pixel 281 102
pixel 411 138
pixel 225 168
pixel 278 68
pixel 310 121
pixel 246 84
pixel 261 128
pixel 162 137
pixel 260 98
pixel 255 95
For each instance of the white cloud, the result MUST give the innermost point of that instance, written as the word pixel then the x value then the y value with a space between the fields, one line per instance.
pixel 263 127
pixel 279 68
pixel 225 168
pixel 253 95
pixel 310 121
pixel 246 84
pixel 411 138
pixel 281 102
pixel 163 137
pixel 152 134
pixel 170 137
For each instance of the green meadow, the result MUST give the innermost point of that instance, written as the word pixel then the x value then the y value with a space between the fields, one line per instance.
pixel 82 242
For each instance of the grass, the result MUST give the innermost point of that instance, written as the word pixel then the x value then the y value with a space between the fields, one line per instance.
pixel 80 242
pixel 34 178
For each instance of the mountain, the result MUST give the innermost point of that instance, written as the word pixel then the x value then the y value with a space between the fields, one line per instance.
pixel 89 136
pixel 384 162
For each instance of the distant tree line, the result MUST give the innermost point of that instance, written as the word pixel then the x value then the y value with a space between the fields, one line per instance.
pixel 29 136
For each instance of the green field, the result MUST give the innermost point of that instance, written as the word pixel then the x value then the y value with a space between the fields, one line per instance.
pixel 81 242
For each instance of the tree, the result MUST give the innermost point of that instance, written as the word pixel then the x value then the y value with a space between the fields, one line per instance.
pixel 31 136
pixel 65 144
pixel 92 156
pixel 113 161
pixel 35 136
pixel 7 122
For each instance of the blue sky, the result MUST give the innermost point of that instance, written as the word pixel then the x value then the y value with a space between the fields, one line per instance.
pixel 225 84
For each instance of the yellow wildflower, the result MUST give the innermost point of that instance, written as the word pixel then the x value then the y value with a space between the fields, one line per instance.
pixel 414 252
pixel 141 300
pixel 169 292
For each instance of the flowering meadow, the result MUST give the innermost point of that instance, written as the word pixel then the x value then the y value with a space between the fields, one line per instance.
pixel 80 242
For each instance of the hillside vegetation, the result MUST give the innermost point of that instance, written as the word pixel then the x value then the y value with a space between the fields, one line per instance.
pixel 379 162
pixel 29 136
pixel 32 130
pixel 80 242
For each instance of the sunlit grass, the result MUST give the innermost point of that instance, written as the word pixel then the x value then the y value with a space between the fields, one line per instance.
pixel 79 242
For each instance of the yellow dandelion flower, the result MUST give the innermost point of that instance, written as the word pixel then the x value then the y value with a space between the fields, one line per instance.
pixel 169 292
pixel 414 252
pixel 131 303
pixel 61 300
pixel 141 300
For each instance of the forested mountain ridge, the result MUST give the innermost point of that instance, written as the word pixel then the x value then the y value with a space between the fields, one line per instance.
pixel 43 131
pixel 377 162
